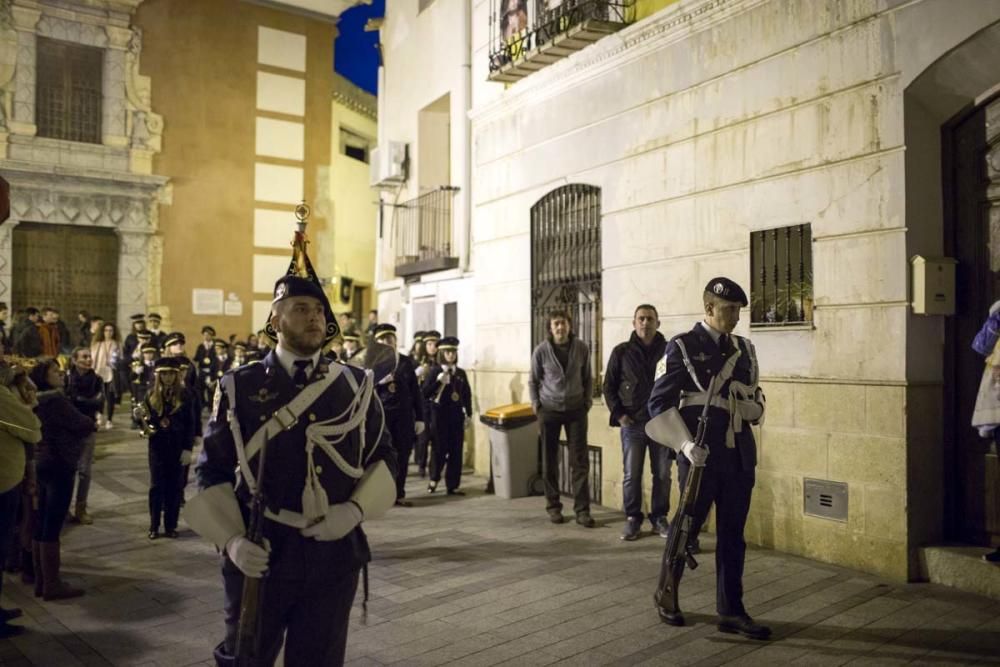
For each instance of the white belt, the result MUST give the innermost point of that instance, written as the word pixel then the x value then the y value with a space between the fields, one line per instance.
pixel 699 398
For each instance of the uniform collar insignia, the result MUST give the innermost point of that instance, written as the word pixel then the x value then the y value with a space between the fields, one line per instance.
pixel 263 396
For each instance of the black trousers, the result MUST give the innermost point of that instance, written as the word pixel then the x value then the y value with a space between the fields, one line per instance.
pixel 403 431
pixel 310 620
pixel 55 491
pixel 449 436
pixel 164 490
pixel 730 491
pixel 423 443
pixel 575 423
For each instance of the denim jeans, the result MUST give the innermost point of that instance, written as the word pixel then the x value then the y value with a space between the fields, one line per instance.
pixel 635 443
pixel 83 469
pixel 575 424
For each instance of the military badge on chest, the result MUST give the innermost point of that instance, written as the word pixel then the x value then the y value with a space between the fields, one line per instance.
pixel 392 387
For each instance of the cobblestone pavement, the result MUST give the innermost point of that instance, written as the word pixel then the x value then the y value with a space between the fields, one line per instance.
pixel 483 581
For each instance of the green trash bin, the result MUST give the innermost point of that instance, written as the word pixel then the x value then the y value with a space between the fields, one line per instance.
pixel 513 448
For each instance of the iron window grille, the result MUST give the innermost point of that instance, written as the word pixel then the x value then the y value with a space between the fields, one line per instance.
pixel 781 283
pixel 69 91
pixel 423 234
pixel 594 457
pixel 544 31
pixel 566 265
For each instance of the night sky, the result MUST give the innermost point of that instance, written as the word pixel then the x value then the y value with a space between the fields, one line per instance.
pixel 354 53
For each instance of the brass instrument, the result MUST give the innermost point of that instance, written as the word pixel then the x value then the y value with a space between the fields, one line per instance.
pixel 141 414
pixel 437 398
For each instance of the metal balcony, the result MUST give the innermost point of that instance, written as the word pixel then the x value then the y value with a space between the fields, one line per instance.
pixel 423 234
pixel 524 41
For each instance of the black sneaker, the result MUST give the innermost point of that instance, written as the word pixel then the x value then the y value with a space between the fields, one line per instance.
pixel 631 531
pixel 555 515
pixel 585 520
pixel 992 557
pixel 662 527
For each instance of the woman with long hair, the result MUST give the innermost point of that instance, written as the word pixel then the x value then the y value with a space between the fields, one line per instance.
pixel 20 430
pixel 64 431
pixel 168 417
pixel 106 352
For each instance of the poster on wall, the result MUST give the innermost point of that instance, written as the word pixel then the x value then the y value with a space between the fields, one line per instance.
pixel 206 301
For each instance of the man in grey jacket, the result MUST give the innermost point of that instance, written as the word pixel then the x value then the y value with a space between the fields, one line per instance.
pixel 561 395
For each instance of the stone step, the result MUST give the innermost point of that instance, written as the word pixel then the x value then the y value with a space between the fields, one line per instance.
pixel 961 567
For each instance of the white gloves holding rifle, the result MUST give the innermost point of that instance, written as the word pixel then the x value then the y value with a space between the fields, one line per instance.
pixel 696 455
pixel 247 556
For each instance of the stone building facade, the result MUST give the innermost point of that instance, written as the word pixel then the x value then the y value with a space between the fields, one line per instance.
pixel 710 121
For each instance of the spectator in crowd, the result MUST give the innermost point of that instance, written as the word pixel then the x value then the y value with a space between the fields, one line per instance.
pixel 64 431
pixel 96 330
pixel 628 381
pixel 372 322
pixel 4 340
pixel 986 415
pixel 86 390
pixel 83 326
pixel 106 353
pixel 252 342
pixel 561 386
pixel 27 340
pixel 54 333
pixel 19 432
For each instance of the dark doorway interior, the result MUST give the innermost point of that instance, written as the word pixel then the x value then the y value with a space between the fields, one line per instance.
pixel 971 172
pixel 67 267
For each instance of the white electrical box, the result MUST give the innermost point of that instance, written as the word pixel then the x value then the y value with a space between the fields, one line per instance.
pixel 388 164
pixel 933 285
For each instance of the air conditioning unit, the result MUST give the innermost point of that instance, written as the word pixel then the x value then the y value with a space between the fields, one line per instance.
pixel 388 164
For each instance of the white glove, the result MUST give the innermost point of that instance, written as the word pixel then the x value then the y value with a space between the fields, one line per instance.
pixel 340 519
pixel 467 423
pixel 696 455
pixel 420 427
pixel 185 457
pixel 247 556
pixel 443 377
pixel 386 380
pixel 199 441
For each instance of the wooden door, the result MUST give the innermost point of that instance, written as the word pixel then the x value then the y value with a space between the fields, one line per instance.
pixel 67 267
pixel 972 207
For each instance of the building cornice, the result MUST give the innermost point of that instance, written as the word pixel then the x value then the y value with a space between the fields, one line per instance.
pixel 354 97
pixel 672 24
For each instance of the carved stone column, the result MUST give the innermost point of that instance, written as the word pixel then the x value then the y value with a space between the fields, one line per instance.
pixel 113 121
pixel 25 21
pixel 7 260
pixel 133 276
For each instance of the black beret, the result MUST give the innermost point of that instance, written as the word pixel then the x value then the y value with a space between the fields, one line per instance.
pixel 724 288
pixel 448 343
pixel 384 330
pixel 432 335
pixel 167 364
pixel 208 330
pixel 173 339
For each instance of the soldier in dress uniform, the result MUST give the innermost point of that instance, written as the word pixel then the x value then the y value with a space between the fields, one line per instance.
pixel 711 355
pixel 403 404
pixel 329 465
pixel 352 346
pixel 142 378
pixel 153 322
pixel 169 416
pixel 446 386
pixel 203 362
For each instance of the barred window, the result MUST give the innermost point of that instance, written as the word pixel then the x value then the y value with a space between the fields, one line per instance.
pixel 68 92
pixel 781 277
pixel 566 265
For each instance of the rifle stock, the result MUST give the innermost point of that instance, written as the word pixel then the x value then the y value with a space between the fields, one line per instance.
pixel 676 555
pixel 248 634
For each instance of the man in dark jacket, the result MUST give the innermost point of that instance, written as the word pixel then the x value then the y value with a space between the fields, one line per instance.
pixel 86 390
pixel 561 395
pixel 27 340
pixel 628 382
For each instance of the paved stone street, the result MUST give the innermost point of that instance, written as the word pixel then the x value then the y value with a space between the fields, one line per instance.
pixel 483 581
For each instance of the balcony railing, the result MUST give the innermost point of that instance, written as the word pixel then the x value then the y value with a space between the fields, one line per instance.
pixel 528 35
pixel 424 233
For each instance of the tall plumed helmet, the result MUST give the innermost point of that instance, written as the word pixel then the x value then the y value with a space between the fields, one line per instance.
pixel 301 279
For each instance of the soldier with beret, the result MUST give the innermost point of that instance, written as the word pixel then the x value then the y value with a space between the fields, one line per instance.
pixel 168 419
pixel 329 465
pixel 446 387
pixel 711 355
pixel 404 406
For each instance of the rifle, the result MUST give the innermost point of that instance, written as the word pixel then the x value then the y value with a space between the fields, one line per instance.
pixel 248 633
pixel 676 555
